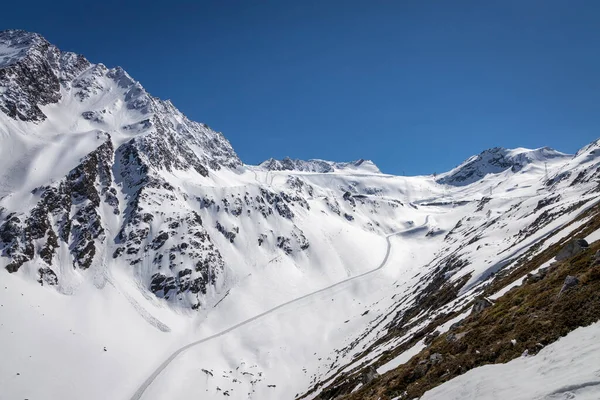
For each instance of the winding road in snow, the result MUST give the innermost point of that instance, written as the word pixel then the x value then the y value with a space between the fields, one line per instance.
pixel 140 392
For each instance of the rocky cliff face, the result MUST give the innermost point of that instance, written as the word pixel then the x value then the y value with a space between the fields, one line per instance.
pixel 122 203
pixel 30 74
pixel 121 177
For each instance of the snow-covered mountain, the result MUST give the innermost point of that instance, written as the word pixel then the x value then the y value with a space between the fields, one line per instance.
pixel 321 166
pixel 140 258
pixel 86 152
pixel 497 160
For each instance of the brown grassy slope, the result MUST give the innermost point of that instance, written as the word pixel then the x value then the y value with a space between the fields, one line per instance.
pixel 533 314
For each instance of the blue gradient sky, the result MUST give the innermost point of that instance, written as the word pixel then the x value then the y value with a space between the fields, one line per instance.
pixel 416 86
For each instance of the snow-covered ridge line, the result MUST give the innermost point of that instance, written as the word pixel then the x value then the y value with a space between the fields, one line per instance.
pixel 497 160
pixel 86 154
pixel 319 166
pixel 37 75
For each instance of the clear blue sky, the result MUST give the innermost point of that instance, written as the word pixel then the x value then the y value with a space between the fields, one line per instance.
pixel 416 86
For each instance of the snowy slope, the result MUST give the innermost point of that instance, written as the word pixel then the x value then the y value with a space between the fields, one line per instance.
pixel 125 225
pixel 567 369
pixel 497 160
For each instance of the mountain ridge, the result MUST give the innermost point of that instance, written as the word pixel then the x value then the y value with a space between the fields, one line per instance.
pixel 497 160
pixel 318 165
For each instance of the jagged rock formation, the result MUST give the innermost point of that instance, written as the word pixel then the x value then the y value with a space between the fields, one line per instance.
pixel 319 166
pixel 122 175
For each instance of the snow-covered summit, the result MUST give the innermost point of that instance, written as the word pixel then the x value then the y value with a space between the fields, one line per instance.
pixel 319 166
pixel 16 44
pixel 35 74
pixel 78 137
pixel 497 160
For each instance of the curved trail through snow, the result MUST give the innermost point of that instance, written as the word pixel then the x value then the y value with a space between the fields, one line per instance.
pixel 140 392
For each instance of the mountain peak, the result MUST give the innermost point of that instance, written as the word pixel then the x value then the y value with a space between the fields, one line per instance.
pixel 20 37
pixel 496 160
pixel 16 44
pixel 34 73
pixel 318 165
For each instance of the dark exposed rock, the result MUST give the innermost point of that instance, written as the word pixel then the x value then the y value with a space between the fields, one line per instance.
pixel 261 238
pixel 298 165
pixel 14 242
pixel 570 282
pixel 94 116
pixel 299 185
pixel 47 276
pixel 118 251
pixel 481 304
pixel 546 202
pixel 205 202
pixel 76 195
pixel 596 258
pixel 369 375
pixel 298 235
pixel 430 338
pixel 160 240
pixel 284 244
pixel 67 213
pixel 333 205
pixel 229 235
pixel 32 79
pixel 436 358
pixel 348 197
pixel 49 248
pixel 161 285
pixel 236 208
pixel 571 249
pixel 482 203
pixel 280 202
pixel 561 176
pixel 494 161
pixel 421 368
pixel 533 278
pixel 455 325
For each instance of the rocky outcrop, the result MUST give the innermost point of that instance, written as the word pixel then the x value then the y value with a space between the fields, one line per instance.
pixel 570 282
pixel 297 242
pixel 318 166
pixel 596 258
pixel 481 304
pixel 297 165
pixel 30 78
pixel 126 181
pixel 73 206
pixel 229 235
pixel 369 375
pixel 572 248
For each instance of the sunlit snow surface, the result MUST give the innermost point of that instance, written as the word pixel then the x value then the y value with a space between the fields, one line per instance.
pixel 285 349
pixel 566 369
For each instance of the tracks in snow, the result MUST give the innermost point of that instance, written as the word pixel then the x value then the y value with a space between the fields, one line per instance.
pixel 142 389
